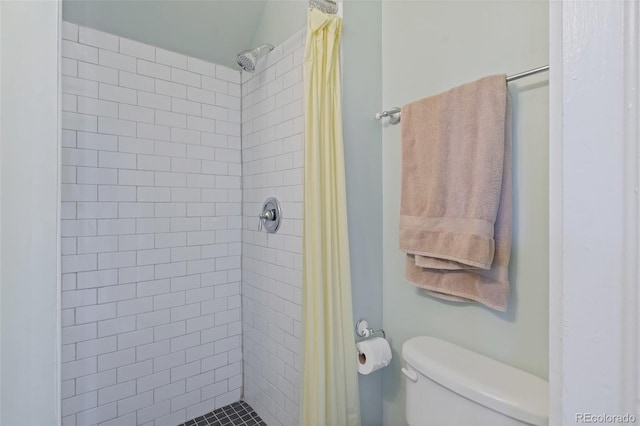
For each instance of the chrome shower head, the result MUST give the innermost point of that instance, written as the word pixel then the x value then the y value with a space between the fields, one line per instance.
pixel 249 58
pixel 326 6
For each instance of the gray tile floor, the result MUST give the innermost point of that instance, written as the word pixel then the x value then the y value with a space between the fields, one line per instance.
pixel 237 414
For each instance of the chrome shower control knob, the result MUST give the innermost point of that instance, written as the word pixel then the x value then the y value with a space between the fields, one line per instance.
pixel 268 215
pixel 271 215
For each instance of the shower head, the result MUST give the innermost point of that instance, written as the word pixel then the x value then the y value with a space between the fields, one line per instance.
pixel 249 58
pixel 326 6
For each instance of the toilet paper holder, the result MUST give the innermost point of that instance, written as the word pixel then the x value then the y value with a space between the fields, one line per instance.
pixel 363 330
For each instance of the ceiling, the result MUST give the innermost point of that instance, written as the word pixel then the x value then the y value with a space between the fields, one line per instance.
pixel 213 30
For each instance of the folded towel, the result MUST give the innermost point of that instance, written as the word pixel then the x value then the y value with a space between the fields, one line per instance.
pixel 455 217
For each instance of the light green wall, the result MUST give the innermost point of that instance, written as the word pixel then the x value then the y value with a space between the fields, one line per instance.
pixel 429 47
pixel 362 92
pixel 280 19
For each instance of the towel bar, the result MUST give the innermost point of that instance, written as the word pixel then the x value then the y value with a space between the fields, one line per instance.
pixel 394 113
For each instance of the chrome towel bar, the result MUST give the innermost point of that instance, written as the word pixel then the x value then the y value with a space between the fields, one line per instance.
pixel 394 113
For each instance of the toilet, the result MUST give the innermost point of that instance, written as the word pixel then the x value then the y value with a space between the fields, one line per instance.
pixel 450 385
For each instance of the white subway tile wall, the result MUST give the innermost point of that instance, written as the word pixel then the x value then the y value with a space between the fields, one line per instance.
pixel 272 153
pixel 151 233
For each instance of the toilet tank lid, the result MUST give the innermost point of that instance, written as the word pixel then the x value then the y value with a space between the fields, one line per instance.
pixel 486 381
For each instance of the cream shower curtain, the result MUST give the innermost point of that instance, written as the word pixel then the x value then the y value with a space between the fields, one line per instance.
pixel 330 376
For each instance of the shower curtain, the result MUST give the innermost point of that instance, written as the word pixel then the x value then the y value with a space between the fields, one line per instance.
pixel 330 377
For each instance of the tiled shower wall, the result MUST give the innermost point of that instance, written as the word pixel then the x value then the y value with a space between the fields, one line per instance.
pixel 272 152
pixel 151 233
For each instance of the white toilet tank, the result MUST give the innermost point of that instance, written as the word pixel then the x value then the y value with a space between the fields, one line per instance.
pixel 450 385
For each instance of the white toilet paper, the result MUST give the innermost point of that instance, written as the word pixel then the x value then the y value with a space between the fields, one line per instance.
pixel 373 354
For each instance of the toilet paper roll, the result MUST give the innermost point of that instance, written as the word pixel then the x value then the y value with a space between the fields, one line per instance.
pixel 373 354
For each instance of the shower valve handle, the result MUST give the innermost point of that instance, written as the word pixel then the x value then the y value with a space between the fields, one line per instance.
pixel 266 215
pixel 270 216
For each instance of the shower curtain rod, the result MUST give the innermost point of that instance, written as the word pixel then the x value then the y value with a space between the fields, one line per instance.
pixel 396 111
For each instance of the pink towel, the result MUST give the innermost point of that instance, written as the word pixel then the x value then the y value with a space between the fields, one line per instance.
pixel 455 215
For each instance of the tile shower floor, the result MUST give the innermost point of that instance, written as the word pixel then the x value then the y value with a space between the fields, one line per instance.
pixel 237 414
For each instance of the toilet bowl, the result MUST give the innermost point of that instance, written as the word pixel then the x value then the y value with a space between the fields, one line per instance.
pixel 449 385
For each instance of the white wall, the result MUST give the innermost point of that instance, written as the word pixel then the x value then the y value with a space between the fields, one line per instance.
pixel 595 250
pixel 429 47
pixel 151 205
pixel 273 157
pixel 29 283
